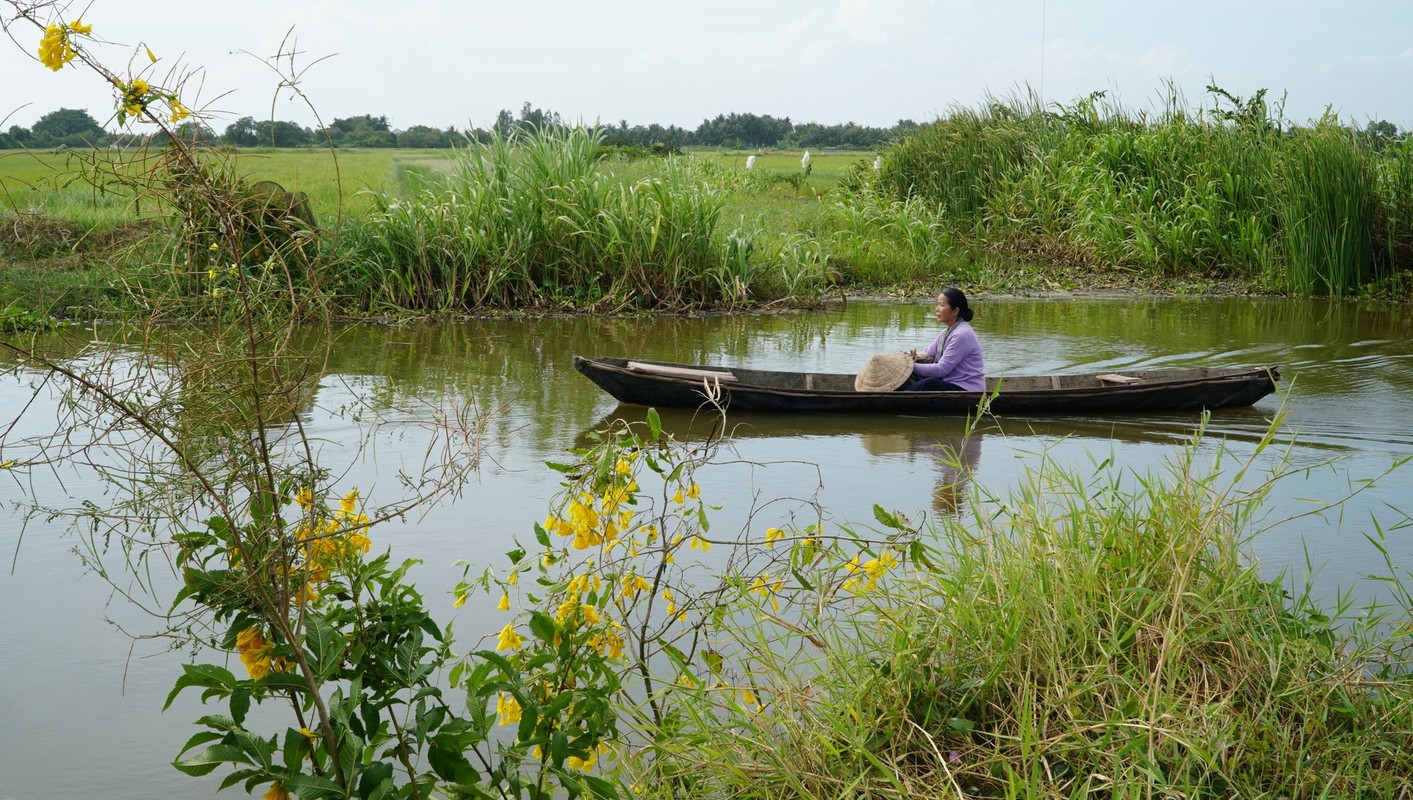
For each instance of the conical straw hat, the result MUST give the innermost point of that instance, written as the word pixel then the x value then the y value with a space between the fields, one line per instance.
pixel 884 372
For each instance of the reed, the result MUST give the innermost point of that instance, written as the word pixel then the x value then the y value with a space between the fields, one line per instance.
pixel 1184 193
pixel 1088 635
pixel 1327 213
pixel 539 221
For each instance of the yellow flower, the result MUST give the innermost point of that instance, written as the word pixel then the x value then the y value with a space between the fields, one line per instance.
pixel 677 498
pixel 55 50
pixel 138 87
pixel 349 502
pixel 631 585
pixel 459 601
pixel 507 709
pixel 698 543
pixel 276 792
pixel 509 638
pixel 214 247
pixel 504 604
pixel 211 276
pixel 151 56
pixel 583 764
pixel 694 491
pixel 81 29
pixel 179 111
pixel 307 594
pixel 771 535
pixel 512 579
pixel 254 652
pixel 622 467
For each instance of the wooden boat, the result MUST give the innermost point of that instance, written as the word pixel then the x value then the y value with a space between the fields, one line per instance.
pixel 668 385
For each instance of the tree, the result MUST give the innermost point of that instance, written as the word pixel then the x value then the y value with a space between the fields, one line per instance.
pixel 241 133
pixel 71 126
pixel 1382 134
pixel 279 133
pixel 425 136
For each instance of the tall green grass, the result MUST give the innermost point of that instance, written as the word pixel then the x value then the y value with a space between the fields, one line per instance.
pixel 1309 210
pixel 539 221
pixel 1087 635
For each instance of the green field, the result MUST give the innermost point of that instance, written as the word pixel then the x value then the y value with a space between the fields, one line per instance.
pixel 84 187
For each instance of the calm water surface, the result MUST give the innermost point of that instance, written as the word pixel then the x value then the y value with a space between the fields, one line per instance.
pixel 80 699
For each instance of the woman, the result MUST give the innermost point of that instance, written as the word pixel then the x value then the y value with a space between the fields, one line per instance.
pixel 953 362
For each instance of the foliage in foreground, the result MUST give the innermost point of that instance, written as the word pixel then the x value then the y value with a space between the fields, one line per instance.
pixel 1079 638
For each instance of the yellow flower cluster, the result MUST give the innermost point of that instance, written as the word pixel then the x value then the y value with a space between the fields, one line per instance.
pixel 56 49
pixel 586 764
pixel 592 521
pixel 866 575
pixel 254 652
pixel 507 709
pixel 766 589
pixel 322 544
pixel 135 96
pixel 510 639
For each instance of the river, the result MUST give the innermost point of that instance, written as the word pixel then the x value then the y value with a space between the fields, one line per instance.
pixel 80 698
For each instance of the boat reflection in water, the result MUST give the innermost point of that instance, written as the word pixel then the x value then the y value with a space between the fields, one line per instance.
pixel 945 444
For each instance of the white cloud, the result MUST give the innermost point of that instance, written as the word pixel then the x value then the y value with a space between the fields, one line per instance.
pixel 1163 60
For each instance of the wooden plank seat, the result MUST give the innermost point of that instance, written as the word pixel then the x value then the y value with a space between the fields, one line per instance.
pixel 1120 379
pixel 681 372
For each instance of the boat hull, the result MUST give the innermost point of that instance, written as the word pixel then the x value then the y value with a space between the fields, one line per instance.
pixel 668 385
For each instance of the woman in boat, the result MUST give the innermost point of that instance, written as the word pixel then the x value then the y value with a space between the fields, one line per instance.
pixel 952 363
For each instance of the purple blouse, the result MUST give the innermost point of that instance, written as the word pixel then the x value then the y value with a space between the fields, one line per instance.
pixel 956 356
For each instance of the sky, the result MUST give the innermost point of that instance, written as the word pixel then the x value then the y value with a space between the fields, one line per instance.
pixel 873 62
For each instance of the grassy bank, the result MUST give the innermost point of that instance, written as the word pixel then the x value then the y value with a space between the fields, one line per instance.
pixel 1009 197
pixel 1086 635
pixel 1307 210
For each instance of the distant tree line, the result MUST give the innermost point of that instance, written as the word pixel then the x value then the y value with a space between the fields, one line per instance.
pixel 76 128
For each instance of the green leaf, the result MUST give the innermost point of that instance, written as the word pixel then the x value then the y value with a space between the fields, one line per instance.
pixel 311 787
pixel 207 676
pixel 654 424
pixel 324 646
pixel 240 705
pixel 297 747
pixel 374 776
pixel 286 681
pixel 450 764
pixel 542 626
pixel 558 467
pixel 200 738
pixel 210 758
pixel 238 776
pixel 960 725
pixel 888 518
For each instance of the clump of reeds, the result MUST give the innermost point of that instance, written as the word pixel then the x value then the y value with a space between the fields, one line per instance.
pixel 1308 210
pixel 1086 636
pixel 535 220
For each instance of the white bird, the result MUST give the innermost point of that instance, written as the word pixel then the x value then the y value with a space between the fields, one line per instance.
pixel 750 162
pixel 805 160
